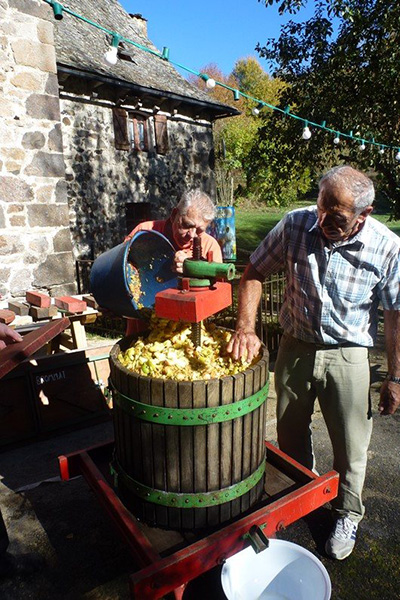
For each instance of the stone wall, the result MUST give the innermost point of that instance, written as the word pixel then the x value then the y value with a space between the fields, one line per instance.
pixel 35 241
pixel 64 186
pixel 101 179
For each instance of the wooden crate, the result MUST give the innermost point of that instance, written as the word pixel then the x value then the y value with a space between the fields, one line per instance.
pixel 53 393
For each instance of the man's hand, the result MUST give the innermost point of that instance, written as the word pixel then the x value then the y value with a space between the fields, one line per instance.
pixel 180 256
pixel 390 398
pixel 244 344
pixel 8 336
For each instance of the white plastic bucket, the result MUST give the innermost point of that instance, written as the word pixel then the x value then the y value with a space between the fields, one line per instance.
pixel 283 571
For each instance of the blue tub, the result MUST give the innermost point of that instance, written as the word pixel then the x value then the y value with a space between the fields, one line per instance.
pixel 148 254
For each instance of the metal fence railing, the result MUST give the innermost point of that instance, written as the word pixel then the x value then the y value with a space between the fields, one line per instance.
pixel 268 328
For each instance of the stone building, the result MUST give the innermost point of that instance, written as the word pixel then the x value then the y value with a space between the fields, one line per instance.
pixel 88 149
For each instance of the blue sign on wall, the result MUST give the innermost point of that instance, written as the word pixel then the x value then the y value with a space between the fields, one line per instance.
pixel 223 229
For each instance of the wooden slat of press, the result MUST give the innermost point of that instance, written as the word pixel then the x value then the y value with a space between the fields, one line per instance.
pixel 172 453
pixel 247 436
pixel 255 437
pixel 159 451
pixel 227 444
pixel 117 416
pixel 135 433
pixel 264 368
pixel 264 373
pixel 213 451
pixel 238 394
pixel 124 380
pixel 199 449
pixel 187 457
pixel 147 446
pixel 118 383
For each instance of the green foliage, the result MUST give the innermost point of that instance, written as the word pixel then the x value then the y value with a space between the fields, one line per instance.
pixel 236 137
pixel 255 82
pixel 237 134
pixel 253 224
pixel 341 66
pixel 277 171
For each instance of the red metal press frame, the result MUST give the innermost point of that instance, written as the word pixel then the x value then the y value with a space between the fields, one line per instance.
pixel 193 304
pixel 159 576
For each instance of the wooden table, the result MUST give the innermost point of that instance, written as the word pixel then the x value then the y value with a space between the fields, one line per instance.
pixel 74 336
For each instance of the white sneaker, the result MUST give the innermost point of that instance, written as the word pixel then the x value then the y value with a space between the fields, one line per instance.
pixel 341 542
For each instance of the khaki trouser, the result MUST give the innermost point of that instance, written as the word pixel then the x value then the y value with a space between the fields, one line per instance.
pixel 339 377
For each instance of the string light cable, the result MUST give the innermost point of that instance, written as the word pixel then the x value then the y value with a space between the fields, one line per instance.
pixel 111 58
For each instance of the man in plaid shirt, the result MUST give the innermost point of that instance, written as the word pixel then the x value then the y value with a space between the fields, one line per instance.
pixel 340 265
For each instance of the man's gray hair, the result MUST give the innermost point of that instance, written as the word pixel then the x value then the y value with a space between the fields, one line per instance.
pixel 200 200
pixel 359 185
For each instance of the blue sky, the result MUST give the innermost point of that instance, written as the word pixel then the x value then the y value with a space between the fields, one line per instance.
pixel 211 31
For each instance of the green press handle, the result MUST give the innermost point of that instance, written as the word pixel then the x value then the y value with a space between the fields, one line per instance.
pixel 202 268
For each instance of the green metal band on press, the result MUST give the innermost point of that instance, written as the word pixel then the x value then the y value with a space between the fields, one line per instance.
pixel 199 282
pixel 187 500
pixel 190 416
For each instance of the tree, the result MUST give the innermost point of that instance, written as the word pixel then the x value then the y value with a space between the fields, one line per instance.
pixel 341 66
pixel 235 137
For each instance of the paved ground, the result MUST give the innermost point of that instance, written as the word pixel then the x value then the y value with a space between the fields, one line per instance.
pixel 85 559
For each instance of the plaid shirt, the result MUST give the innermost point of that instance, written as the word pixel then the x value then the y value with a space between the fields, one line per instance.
pixel 333 289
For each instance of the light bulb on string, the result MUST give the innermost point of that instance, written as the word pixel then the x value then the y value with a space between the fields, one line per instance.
pixel 256 109
pixel 111 56
pixel 210 82
pixel 306 132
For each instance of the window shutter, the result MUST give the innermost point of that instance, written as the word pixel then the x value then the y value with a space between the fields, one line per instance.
pixel 120 118
pixel 161 133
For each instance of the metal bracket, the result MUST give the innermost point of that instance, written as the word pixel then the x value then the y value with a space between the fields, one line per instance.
pixel 258 540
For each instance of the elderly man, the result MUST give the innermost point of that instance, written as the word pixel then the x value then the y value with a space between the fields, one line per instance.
pixel 188 220
pixel 340 264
